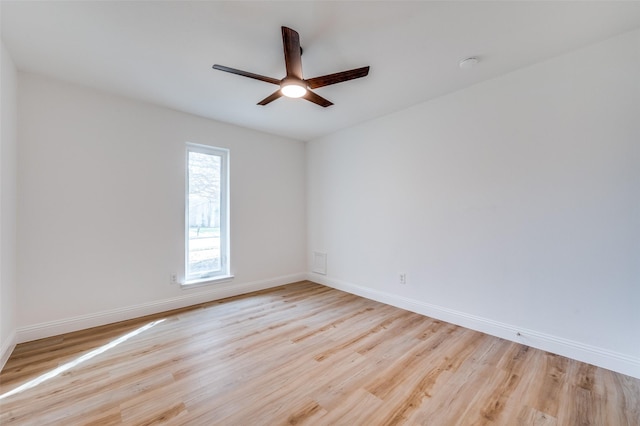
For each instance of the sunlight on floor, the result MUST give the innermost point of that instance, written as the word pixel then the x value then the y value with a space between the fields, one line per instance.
pixel 69 365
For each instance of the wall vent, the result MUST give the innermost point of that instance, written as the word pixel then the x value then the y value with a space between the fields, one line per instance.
pixel 319 263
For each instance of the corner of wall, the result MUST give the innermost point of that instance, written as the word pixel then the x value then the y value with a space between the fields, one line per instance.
pixel 8 345
pixel 8 203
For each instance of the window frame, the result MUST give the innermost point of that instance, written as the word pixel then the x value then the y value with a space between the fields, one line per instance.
pixel 225 271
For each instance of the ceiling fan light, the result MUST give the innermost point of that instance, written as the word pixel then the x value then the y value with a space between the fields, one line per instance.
pixel 293 89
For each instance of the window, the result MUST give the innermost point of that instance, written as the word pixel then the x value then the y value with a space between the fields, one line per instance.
pixel 207 206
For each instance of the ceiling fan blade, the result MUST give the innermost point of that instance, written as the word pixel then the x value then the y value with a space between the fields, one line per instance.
pixel 246 74
pixel 317 99
pixel 338 77
pixel 272 97
pixel 292 53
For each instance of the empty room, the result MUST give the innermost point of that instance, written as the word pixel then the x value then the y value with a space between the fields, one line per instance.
pixel 320 213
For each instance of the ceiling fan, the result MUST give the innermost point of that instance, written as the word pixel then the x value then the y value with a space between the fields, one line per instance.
pixel 293 85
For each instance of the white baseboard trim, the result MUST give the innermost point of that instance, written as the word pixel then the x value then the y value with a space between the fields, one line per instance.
pixel 7 347
pixel 600 357
pixel 193 297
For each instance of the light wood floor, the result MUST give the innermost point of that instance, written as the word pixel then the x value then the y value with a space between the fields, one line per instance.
pixel 304 354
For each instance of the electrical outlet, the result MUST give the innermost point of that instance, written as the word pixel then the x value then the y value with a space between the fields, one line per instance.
pixel 403 278
pixel 173 278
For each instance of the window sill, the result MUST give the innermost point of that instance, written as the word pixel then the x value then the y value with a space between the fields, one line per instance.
pixel 206 281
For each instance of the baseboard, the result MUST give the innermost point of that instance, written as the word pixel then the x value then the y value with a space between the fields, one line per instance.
pixel 600 357
pixel 7 347
pixel 219 291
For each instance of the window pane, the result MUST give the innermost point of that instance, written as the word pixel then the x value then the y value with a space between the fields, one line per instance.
pixel 204 254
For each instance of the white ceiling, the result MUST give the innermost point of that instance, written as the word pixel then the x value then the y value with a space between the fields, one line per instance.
pixel 162 52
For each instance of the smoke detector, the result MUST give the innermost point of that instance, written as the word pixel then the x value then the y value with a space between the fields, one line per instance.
pixel 468 63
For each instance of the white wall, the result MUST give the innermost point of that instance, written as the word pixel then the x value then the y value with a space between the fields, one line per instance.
pixel 512 206
pixel 8 140
pixel 101 207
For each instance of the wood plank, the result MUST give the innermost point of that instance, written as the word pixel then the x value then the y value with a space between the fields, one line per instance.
pixel 303 354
